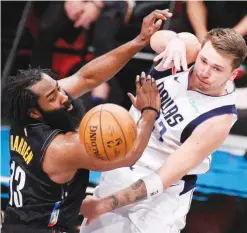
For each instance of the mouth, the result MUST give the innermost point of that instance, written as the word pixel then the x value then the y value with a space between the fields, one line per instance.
pixel 202 81
pixel 70 108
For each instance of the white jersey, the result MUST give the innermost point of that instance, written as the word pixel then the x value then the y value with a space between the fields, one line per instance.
pixel 182 110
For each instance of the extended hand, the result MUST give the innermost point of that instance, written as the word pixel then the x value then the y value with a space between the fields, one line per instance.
pixel 152 23
pixel 89 15
pixel 73 9
pixel 147 93
pixel 91 208
pixel 174 56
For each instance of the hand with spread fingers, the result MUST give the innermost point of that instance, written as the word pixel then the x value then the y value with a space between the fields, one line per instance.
pixel 152 23
pixel 174 56
pixel 147 93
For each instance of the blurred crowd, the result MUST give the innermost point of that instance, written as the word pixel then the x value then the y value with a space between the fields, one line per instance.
pixel 91 28
pixel 65 35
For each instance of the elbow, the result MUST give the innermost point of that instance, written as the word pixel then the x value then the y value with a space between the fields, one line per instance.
pixel 160 39
pixel 193 46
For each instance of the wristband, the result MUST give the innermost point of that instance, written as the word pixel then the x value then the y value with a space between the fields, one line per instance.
pixel 154 185
pixel 150 108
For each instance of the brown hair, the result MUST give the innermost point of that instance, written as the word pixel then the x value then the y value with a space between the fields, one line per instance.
pixel 228 42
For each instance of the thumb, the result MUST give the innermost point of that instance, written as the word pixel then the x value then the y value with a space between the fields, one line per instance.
pixel 174 70
pixel 132 98
pixel 158 24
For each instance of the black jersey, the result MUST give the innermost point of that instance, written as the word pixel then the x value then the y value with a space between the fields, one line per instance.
pixel 33 198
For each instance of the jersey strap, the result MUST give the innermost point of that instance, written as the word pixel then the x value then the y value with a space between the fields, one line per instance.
pixel 160 74
pixel 228 109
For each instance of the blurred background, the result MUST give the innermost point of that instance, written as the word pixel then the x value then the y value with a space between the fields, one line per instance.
pixel 65 35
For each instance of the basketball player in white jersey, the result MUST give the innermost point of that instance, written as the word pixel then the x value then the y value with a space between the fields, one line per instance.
pixel 196 115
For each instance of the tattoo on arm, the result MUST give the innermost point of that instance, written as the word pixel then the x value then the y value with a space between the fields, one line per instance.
pixel 137 184
pixel 136 192
pixel 141 192
pixel 114 202
pixel 127 197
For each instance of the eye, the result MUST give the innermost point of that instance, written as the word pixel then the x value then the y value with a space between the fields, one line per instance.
pixel 203 61
pixel 52 98
pixel 217 69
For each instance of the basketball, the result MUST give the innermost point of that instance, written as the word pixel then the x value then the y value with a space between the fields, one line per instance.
pixel 108 132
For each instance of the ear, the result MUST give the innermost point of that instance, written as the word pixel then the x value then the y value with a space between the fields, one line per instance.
pixel 234 74
pixel 34 113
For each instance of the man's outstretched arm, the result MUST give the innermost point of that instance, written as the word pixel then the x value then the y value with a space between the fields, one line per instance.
pixel 106 66
pixel 213 132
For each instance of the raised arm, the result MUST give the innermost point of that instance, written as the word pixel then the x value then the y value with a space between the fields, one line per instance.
pixel 105 67
pixel 66 154
pixel 194 150
pixel 241 26
pixel 197 14
pixel 175 50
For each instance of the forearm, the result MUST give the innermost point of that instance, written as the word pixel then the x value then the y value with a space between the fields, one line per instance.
pixel 135 192
pixel 168 175
pixel 197 14
pixel 193 46
pixel 106 66
pixel 144 129
pixel 183 160
pixel 241 27
pixel 189 155
pixel 145 126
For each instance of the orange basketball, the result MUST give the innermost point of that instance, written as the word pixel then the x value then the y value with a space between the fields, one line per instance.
pixel 108 132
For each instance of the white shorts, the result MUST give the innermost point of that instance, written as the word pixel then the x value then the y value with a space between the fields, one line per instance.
pixel 164 214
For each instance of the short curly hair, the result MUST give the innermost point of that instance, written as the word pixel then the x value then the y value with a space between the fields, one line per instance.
pixel 228 42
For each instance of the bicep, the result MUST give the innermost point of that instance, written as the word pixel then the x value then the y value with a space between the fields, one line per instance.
pixel 63 157
pixel 66 154
pixel 209 136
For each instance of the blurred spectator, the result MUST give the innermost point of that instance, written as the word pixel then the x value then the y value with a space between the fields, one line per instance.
pixel 205 15
pixel 198 17
pixel 99 21
pixel 10 19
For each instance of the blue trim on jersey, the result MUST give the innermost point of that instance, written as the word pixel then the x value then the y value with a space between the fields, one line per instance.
pixel 189 183
pixel 205 116
pixel 160 74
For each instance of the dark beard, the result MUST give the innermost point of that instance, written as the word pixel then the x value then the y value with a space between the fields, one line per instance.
pixel 62 119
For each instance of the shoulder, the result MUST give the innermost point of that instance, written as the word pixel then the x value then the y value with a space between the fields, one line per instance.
pixel 209 136
pixel 215 128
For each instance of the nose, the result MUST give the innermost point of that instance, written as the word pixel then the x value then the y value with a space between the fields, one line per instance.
pixel 205 72
pixel 64 98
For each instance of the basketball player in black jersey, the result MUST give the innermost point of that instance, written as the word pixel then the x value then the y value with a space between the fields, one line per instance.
pixel 49 166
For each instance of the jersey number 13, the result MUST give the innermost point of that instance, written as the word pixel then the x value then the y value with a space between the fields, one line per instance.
pixel 18 176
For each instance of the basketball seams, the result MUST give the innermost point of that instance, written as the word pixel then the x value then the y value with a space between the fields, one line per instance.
pixel 86 130
pixel 102 133
pixel 120 129
pixel 106 126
